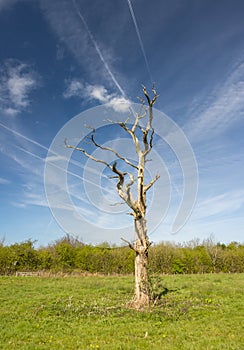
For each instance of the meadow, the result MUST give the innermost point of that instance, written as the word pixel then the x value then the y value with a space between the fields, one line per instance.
pixel 91 312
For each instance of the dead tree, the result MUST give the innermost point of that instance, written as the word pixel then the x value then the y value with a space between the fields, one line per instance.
pixel 125 180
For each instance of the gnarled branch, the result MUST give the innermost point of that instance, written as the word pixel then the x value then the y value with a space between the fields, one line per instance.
pixel 88 155
pixel 111 150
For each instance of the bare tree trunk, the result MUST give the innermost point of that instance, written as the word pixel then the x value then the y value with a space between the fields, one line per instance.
pixel 141 245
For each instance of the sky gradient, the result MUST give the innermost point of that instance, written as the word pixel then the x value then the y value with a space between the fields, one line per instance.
pixel 60 58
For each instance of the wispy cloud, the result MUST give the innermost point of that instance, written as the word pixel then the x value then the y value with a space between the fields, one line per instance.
pixel 5 4
pixel 29 160
pixel 139 38
pixel 221 204
pixel 98 50
pixel 76 88
pixel 223 107
pixel 17 82
pixel 69 24
pixel 4 181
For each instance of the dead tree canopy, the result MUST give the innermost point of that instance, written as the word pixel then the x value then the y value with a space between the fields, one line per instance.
pixel 142 138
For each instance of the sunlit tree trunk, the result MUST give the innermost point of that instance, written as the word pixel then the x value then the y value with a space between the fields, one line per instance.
pixel 141 246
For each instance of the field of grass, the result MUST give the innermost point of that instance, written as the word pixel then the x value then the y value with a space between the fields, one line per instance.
pixel 198 312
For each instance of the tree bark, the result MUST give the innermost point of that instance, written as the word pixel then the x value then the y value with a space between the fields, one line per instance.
pixel 141 246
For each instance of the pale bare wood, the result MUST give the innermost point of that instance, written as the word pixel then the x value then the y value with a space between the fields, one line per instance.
pixel 151 183
pixel 141 243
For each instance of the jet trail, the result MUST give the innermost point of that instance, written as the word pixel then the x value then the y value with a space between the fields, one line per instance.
pixel 47 149
pixel 23 136
pixel 58 167
pixel 99 51
pixel 139 38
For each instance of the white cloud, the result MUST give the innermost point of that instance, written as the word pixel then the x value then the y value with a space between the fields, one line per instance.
pixel 76 88
pixel 17 82
pixel 119 104
pixel 11 111
pixel 98 92
pixel 19 86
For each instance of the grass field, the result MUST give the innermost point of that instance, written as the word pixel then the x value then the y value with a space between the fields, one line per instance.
pixel 199 312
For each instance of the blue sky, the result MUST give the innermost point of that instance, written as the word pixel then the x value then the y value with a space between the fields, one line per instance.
pixel 62 57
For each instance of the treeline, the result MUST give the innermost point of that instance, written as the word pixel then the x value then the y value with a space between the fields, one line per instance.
pixel 70 255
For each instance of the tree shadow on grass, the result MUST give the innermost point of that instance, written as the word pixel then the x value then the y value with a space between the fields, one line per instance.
pixel 160 293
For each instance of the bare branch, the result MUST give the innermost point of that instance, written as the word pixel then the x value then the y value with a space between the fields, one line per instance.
pixel 132 180
pixel 148 146
pixel 146 94
pixel 151 139
pixel 138 117
pixel 129 243
pixel 128 189
pixel 128 130
pixel 120 176
pixel 149 100
pixel 133 136
pixel 118 203
pixel 131 131
pixel 142 135
pixel 111 150
pixel 124 194
pixel 155 96
pixel 141 99
pixel 146 188
pixel 87 154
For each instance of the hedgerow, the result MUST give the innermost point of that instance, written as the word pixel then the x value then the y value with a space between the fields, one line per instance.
pixel 70 255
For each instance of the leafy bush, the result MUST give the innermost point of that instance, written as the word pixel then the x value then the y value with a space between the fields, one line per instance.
pixel 69 254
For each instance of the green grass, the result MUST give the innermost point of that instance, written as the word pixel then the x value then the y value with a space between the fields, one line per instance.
pixel 199 312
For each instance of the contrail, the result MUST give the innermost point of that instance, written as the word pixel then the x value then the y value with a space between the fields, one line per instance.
pixel 99 51
pixel 56 154
pixel 57 166
pixel 61 169
pixel 139 38
pixel 23 136
pixel 70 173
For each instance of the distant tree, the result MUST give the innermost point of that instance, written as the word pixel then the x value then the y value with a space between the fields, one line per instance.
pixel 71 240
pixel 142 138
pixel 25 256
